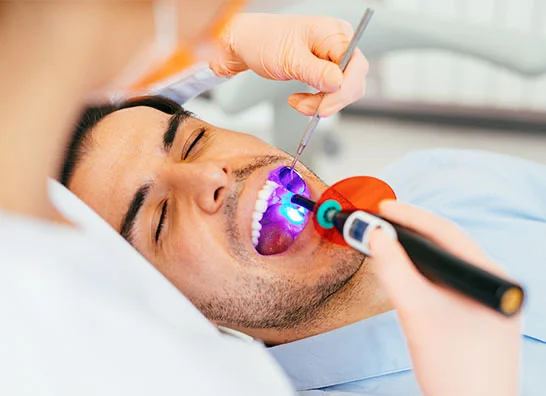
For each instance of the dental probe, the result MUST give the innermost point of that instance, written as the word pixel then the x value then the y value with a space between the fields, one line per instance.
pixel 343 65
pixel 433 262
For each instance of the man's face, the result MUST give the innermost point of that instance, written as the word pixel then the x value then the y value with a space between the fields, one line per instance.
pixel 197 198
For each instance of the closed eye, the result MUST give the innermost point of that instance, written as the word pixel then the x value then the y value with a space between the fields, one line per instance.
pixel 194 142
pixel 161 222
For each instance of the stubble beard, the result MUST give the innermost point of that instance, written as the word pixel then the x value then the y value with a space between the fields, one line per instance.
pixel 276 301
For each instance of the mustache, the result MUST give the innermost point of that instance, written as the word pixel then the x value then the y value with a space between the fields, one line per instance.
pixel 244 173
pixel 236 246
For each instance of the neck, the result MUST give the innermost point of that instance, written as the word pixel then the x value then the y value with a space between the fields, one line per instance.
pixel 42 94
pixel 361 298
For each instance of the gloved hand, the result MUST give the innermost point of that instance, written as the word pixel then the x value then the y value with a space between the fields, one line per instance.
pixel 304 48
pixel 457 346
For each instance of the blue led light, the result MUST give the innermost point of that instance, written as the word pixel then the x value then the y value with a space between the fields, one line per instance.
pixel 291 214
pixel 286 199
pixel 281 211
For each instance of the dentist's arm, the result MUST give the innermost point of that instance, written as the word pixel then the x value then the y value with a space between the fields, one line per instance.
pixel 293 47
pixel 457 346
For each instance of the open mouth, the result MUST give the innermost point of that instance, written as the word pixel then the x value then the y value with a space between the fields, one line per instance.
pixel 276 222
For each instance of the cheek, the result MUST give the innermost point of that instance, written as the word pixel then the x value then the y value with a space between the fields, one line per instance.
pixel 244 145
pixel 194 255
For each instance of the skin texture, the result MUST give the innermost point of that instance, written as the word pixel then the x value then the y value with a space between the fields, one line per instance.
pixel 205 244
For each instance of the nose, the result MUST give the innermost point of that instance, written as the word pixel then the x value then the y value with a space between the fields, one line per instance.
pixel 207 183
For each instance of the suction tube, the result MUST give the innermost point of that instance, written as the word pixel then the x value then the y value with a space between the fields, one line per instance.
pixel 433 262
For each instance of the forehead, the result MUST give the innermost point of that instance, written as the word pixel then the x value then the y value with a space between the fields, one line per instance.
pixel 125 151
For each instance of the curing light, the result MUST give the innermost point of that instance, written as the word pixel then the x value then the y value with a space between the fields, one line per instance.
pixel 295 216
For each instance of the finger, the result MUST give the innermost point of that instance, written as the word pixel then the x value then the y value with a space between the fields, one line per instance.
pixel 323 75
pixel 391 262
pixel 402 281
pixel 331 40
pixel 352 88
pixel 443 232
pixel 320 57
pixel 305 103
pixel 407 288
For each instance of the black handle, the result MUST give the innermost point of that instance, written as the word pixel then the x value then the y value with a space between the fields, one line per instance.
pixel 448 270
pixel 443 268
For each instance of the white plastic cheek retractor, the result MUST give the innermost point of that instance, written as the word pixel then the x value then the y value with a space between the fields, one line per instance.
pixel 358 228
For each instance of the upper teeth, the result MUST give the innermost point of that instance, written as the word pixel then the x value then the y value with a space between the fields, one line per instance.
pixel 259 209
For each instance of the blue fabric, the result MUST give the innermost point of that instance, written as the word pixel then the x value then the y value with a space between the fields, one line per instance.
pixel 500 202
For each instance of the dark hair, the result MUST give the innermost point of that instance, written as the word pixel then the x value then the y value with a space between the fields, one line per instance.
pixel 91 116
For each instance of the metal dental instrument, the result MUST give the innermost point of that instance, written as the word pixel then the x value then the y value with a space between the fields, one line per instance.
pixel 343 65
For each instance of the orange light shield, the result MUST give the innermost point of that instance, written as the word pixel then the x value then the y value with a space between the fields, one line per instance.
pixel 360 192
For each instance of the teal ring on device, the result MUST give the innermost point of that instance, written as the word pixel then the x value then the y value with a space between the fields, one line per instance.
pixel 323 209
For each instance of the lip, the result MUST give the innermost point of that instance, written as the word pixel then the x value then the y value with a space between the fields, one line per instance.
pixel 306 240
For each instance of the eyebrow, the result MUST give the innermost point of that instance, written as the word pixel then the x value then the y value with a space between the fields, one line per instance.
pixel 169 136
pixel 172 129
pixel 128 223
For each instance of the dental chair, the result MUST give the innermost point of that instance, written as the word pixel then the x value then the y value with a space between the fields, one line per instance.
pixel 389 31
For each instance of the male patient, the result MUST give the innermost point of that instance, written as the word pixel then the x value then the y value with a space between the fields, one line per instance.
pixel 190 197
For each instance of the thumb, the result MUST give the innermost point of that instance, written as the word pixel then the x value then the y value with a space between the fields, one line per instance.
pixel 321 74
pixel 395 270
pixel 305 103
